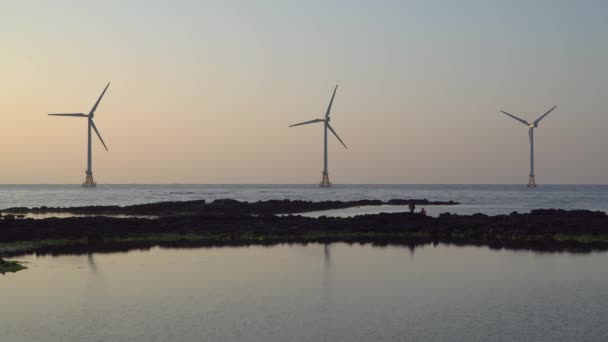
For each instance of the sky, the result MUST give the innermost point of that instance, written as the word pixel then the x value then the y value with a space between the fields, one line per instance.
pixel 203 91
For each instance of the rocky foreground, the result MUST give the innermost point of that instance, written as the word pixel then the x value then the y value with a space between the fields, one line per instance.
pixel 228 222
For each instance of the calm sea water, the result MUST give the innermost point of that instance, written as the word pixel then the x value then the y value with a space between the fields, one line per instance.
pixel 489 199
pixel 308 293
pixel 315 292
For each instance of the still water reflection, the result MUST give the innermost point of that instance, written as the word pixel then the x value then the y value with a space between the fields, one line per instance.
pixel 315 292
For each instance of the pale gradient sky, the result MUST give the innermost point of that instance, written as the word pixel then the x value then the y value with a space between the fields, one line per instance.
pixel 203 91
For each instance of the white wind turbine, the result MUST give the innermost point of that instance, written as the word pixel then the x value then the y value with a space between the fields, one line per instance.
pixel 89 183
pixel 325 183
pixel 531 126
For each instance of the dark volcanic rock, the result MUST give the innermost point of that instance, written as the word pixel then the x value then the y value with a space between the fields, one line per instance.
pixel 477 227
pixel 419 202
pixel 225 221
pixel 217 207
pixel 157 209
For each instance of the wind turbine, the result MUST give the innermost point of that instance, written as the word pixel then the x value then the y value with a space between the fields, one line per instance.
pixel 325 183
pixel 89 183
pixel 531 126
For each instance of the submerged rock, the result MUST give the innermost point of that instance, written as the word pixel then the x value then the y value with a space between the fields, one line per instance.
pixel 10 266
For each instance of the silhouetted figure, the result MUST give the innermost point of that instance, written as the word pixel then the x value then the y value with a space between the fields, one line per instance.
pixel 412 207
pixel 422 212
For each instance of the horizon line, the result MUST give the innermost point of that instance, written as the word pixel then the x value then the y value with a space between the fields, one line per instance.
pixel 301 184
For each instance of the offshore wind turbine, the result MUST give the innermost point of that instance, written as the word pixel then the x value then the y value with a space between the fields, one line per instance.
pixel 89 183
pixel 325 183
pixel 531 127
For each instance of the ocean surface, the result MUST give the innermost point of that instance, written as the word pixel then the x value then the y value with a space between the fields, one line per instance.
pixel 313 292
pixel 488 199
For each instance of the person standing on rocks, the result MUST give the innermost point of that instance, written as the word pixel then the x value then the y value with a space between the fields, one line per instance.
pixel 412 207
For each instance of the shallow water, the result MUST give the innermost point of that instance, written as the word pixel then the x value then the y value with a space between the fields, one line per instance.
pixel 337 292
pixel 431 210
pixel 40 216
pixel 488 199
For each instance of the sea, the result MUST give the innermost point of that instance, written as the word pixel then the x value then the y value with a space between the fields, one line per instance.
pixel 310 292
pixel 486 199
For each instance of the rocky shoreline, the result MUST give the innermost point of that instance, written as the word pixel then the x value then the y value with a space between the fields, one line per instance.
pixel 228 222
pixel 220 205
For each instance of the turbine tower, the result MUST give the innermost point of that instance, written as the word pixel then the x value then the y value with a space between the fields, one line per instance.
pixel 89 182
pixel 325 183
pixel 531 126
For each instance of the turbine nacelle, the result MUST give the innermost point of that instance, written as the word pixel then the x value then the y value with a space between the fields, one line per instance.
pixel 533 124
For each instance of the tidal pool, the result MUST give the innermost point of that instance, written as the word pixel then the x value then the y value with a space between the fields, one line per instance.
pixel 313 292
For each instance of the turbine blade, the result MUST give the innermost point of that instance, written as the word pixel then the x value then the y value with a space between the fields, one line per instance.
pixel 331 101
pixel 542 116
pixel 71 114
pixel 307 122
pixel 336 134
pixel 99 135
pixel 92 112
pixel 516 118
